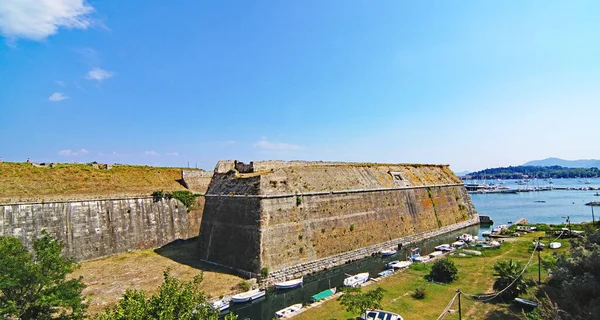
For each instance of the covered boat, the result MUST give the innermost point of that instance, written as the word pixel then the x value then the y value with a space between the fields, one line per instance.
pixel 435 254
pixel 444 247
pixel 286 312
pixel 398 264
pixel 248 296
pixel 386 273
pixel 323 294
pixel 356 280
pixel 554 245
pixel 288 284
pixel 388 252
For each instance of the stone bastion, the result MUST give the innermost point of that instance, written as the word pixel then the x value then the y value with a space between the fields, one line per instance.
pixel 297 217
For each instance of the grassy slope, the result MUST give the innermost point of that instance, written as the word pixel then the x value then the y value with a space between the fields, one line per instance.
pixel 20 182
pixel 475 277
pixel 108 278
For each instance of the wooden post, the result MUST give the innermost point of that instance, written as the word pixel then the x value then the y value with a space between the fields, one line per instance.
pixel 459 308
pixel 539 264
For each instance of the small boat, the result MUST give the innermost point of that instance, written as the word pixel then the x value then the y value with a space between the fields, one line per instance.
pixel 414 253
pixel 288 284
pixel 380 314
pixel 435 254
pixel 323 294
pixel 443 247
pixel 221 305
pixel 486 233
pixel 491 245
pixel 465 237
pixel 458 244
pixel 539 245
pixel 597 194
pixel 421 259
pixel 387 253
pixel 248 296
pixel 527 303
pixel 285 312
pixel 386 273
pixel 554 245
pixel 356 280
pixel 398 264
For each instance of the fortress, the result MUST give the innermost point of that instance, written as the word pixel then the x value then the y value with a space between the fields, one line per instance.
pixel 294 218
pixel 290 218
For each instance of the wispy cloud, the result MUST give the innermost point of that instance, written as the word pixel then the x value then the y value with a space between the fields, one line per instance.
pixel 265 144
pixel 37 20
pixel 57 96
pixel 99 74
pixel 153 153
pixel 71 153
pixel 60 83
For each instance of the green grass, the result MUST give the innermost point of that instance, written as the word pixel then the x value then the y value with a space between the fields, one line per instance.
pixel 475 277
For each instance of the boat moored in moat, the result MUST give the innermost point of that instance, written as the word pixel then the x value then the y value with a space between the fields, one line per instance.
pixel 289 311
pixel 356 280
pixel 289 284
pixel 248 296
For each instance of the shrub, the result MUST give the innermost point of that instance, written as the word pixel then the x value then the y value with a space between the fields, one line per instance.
pixel 419 293
pixel 158 195
pixel 509 273
pixel 244 285
pixel 444 270
pixel 186 197
pixel 352 227
pixel 298 200
pixel 264 272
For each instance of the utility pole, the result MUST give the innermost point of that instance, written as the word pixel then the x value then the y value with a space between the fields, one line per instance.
pixel 459 309
pixel 593 220
pixel 539 264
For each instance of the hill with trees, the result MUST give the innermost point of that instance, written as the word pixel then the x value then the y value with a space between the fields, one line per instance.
pixel 520 172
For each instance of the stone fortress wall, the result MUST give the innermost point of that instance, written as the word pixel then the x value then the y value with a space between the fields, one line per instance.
pixel 296 217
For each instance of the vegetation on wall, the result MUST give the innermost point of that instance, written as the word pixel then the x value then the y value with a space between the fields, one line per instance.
pixel 186 197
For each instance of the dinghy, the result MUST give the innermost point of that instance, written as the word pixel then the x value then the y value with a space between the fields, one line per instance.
pixel 386 273
pixel 387 253
pixel 398 264
pixel 287 312
pixel 288 284
pixel 356 280
pixel 221 305
pixel 248 296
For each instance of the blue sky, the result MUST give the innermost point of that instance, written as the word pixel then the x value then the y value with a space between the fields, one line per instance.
pixel 473 84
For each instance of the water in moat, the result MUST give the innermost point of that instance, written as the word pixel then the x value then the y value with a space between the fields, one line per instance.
pixel 275 300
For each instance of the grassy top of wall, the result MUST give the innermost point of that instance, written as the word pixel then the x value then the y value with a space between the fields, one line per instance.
pixel 22 182
pixel 280 177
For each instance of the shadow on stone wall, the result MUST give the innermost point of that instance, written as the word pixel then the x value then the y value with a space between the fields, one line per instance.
pixel 186 252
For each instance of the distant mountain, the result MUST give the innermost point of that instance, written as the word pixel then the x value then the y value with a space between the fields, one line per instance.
pixel 462 173
pixel 565 163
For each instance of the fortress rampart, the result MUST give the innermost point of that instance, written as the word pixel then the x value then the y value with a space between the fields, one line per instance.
pixel 298 217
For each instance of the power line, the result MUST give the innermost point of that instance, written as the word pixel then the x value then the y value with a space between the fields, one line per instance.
pixel 445 312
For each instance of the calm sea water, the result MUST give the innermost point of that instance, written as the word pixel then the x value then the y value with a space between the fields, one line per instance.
pixel 502 208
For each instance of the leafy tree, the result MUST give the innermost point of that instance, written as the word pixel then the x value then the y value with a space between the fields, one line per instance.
pixel 174 300
pixel 444 270
pixel 34 285
pixel 509 271
pixel 357 302
pixel 577 276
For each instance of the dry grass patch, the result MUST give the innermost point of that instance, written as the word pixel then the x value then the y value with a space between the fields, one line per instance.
pixel 108 278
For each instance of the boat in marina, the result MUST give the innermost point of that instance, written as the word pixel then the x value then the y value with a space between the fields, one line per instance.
pixel 421 259
pixel 289 284
pixel 465 237
pixel 221 305
pixel 385 273
pixel 414 253
pixel 398 264
pixel 356 280
pixel 458 244
pixel 443 247
pixel 486 233
pixel 248 296
pixel 323 294
pixel 554 245
pixel 435 254
pixel 387 253
pixel 289 311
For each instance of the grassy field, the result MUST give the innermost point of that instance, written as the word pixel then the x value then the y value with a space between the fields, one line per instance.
pixel 475 277
pixel 21 182
pixel 107 279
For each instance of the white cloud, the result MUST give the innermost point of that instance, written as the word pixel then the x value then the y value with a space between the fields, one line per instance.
pixel 98 74
pixel 57 96
pixel 153 153
pixel 38 19
pixel 172 154
pixel 60 83
pixel 71 153
pixel 265 144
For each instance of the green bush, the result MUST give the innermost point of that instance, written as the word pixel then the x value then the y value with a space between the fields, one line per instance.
pixel 186 197
pixel 352 227
pixel 244 285
pixel 264 272
pixel 158 195
pixel 419 293
pixel 444 270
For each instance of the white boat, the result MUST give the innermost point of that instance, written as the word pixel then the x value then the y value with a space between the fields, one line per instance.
pixel 465 237
pixel 380 314
pixel 554 245
pixel 398 264
pixel 387 253
pixel 286 312
pixel 527 303
pixel 221 305
pixel 386 273
pixel 435 254
pixel 415 253
pixel 458 244
pixel 356 280
pixel 288 284
pixel 443 247
pixel 539 245
pixel 421 259
pixel 486 233
pixel 248 296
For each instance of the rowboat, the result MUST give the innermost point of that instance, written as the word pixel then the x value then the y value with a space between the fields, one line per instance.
pixel 248 296
pixel 221 305
pixel 288 284
pixel 458 244
pixel 387 253
pixel 286 312
pixel 398 264
pixel 386 273
pixel 323 294
pixel 356 280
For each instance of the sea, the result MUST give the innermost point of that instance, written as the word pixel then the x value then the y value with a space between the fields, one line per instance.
pixel 552 207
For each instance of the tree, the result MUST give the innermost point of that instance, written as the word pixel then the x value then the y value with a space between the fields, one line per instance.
pixel 34 286
pixel 509 274
pixel 357 302
pixel 174 300
pixel 444 270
